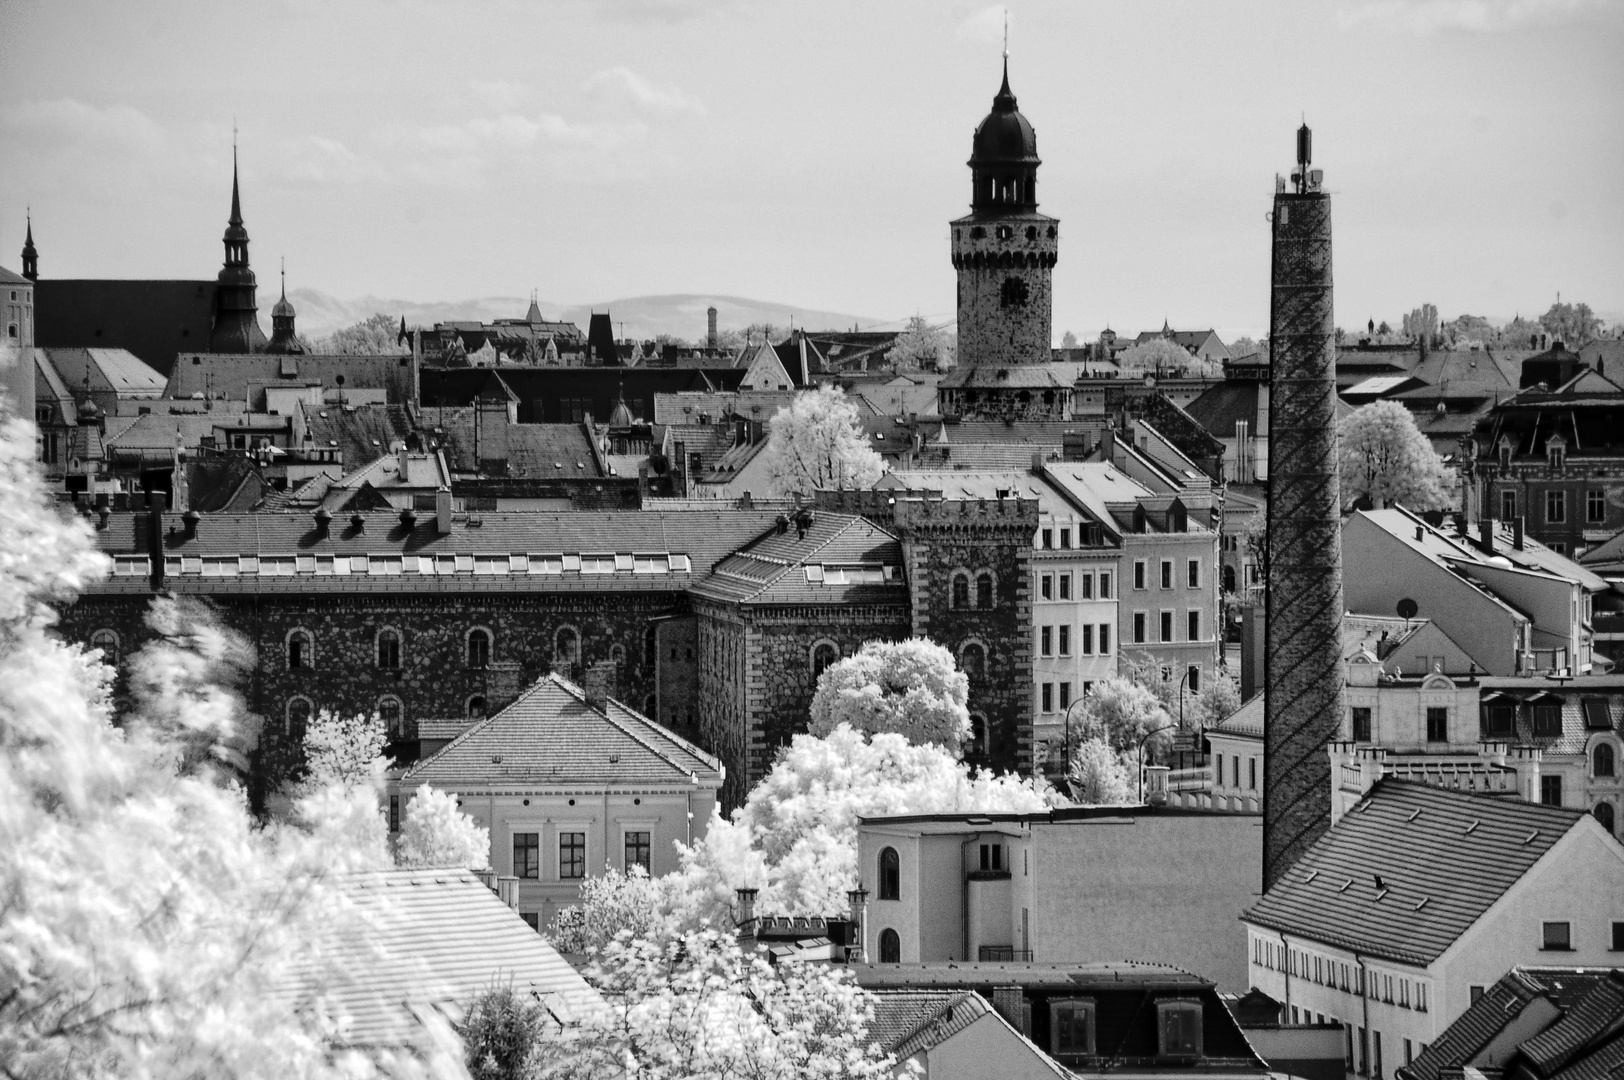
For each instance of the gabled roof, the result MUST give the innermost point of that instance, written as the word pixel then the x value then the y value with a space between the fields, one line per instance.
pixel 550 735
pixel 1246 721
pixel 245 376
pixel 773 568
pixel 434 940
pixel 117 370
pixel 909 1021
pixel 532 451
pixel 1223 404
pixel 360 432
pixel 1410 869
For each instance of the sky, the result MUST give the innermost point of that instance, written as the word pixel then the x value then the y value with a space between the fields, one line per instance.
pixel 813 153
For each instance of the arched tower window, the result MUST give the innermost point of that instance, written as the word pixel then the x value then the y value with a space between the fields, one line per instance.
pixel 1604 814
pixel 978 736
pixel 392 714
pixel 389 649
pixel 617 654
pixel 890 874
pixel 824 653
pixel 476 707
pixel 651 643
pixel 984 590
pixel 301 654
pixel 961 590
pixel 107 642
pixel 890 947
pixel 298 718
pixel 973 660
pixel 479 649
pixel 567 646
pixel 1602 760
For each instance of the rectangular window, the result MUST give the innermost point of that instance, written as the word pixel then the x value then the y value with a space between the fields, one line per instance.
pixel 1618 937
pixel 1179 1024
pixel 1105 584
pixel 1046 641
pixel 1437 723
pixel 1167 573
pixel 637 849
pixel 1376 1055
pixel 1065 696
pixel 1409 1052
pixel 1065 640
pixel 1547 720
pixel 1596 716
pixel 1364 1052
pixel 1550 790
pixel 1167 626
pixel 1192 621
pixel 527 855
pixel 394 813
pixel 1474 992
pixel 1508 505
pixel 1139 574
pixel 1595 507
pixel 571 856
pixel 1085 586
pixel 1048 697
pixel 1251 774
pixel 1071 1026
pixel 1048 539
pixel 1065 586
pixel 1361 723
pixel 1556 507
pixel 1500 720
pixel 1105 639
pixel 1192 574
pixel 532 919
pixel 1088 639
pixel 1046 586
pixel 1139 628
pixel 1557 936
pixel 1065 539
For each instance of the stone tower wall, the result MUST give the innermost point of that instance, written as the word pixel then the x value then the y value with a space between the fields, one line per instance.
pixel 1006 300
pixel 943 538
pixel 1303 652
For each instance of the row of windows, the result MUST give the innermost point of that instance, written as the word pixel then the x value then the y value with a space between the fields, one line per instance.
pixel 1059 586
pixel 391 713
pixel 1235 771
pixel 572 854
pixel 1340 975
pixel 1556 507
pixel 1141 626
pixel 390 564
pixel 1072 1027
pixel 985 590
pixel 1058 640
pixel 1192 574
pixel 477 647
pixel 1047 695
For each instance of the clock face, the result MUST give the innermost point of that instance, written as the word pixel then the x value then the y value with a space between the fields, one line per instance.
pixel 1013 293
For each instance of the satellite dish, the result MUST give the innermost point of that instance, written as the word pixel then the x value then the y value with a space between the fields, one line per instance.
pixel 1407 609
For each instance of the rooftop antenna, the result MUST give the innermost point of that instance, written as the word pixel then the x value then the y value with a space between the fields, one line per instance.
pixel 1006 40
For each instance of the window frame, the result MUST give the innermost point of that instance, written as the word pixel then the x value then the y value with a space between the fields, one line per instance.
pixel 577 854
pixel 396 657
pixel 1084 1005
pixel 307 660
pixel 1595 507
pixel 889 869
pixel 1556 507
pixel 1556 935
pixel 1192 574
pixel 1164 575
pixel 531 870
pixel 1169 1007
pixel 472 662
pixel 637 852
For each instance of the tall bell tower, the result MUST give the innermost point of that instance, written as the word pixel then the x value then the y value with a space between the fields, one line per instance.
pixel 1004 252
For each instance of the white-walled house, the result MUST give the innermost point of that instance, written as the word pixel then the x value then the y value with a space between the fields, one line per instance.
pixel 1395 920
pixel 569 782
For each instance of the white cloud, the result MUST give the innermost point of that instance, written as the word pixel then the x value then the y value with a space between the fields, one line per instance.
pixel 986 24
pixel 662 11
pixel 1483 16
pixel 620 84
pixel 67 121
pixel 502 96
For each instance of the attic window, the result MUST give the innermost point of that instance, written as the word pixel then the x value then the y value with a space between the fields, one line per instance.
pixel 546 564
pixel 1595 710
pixel 814 573
pixel 491 564
pixel 597 564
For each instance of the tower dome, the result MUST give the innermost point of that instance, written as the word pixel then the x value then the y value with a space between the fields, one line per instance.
pixel 284 339
pixel 1004 159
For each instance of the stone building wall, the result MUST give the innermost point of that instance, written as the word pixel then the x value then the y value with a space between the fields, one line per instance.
pixel 942 539
pixel 722 704
pixel 1005 299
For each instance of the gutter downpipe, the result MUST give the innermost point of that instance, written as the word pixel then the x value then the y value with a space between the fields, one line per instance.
pixel 964 850
pixel 1362 1066
pixel 1285 969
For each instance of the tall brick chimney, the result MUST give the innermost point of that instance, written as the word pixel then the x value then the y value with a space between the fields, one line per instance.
pixel 710 327
pixel 598 684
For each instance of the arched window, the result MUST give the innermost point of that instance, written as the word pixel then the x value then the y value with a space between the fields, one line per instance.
pixel 983 590
pixel 978 736
pixel 1604 814
pixel 567 646
pixel 824 653
pixel 961 590
pixel 389 649
pixel 479 649
pixel 890 874
pixel 617 654
pixel 300 654
pixel 890 947
pixel 973 660
pixel 476 707
pixel 1602 760
pixel 298 718
pixel 393 716
pixel 107 642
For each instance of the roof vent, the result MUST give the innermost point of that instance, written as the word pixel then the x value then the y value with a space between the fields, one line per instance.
pixel 357 522
pixel 323 521
pixel 496 759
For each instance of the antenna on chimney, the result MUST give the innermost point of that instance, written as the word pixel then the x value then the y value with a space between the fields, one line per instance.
pixel 1305 155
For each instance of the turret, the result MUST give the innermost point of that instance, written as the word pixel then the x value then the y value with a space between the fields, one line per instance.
pixel 30 255
pixel 236 320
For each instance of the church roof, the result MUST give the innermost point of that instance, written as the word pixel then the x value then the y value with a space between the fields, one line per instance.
pixel 1005 136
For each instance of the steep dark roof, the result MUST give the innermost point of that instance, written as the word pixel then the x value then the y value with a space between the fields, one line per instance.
pixel 361 432
pixel 241 375
pixel 531 451
pixel 772 569
pixel 551 735
pixel 1442 858
pixel 541 389
pixel 1222 404
pixel 155 320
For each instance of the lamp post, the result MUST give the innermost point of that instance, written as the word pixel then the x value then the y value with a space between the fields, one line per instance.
pixel 1142 738
pixel 1070 707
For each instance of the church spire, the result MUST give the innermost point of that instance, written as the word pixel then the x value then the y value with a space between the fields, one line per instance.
pixel 236 322
pixel 30 255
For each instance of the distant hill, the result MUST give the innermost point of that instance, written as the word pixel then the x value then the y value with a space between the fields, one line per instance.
pixel 682 314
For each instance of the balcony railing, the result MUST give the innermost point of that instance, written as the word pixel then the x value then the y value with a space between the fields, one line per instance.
pixel 1005 954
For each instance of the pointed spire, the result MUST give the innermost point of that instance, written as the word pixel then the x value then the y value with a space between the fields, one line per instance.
pixel 236 200
pixel 1005 98
pixel 284 278
pixel 30 255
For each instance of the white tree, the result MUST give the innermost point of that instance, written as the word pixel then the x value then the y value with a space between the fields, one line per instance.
pixel 1101 775
pixel 146 923
pixel 611 902
pixel 923 347
pixel 795 838
pixel 1159 354
pixel 1383 455
pixel 816 442
pixel 912 688
pixel 343 750
pixel 375 335
pixel 436 833
pixel 1068 340
pixel 1122 712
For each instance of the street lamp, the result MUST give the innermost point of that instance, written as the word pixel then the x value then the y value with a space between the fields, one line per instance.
pixel 1142 738
pixel 1070 707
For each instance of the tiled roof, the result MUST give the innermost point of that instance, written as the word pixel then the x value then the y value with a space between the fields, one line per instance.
pixel 1590 1003
pixel 243 375
pixel 118 370
pixel 1221 405
pixel 437 940
pixel 1441 858
pixel 772 569
pixel 1008 376
pixel 909 1021
pixel 1246 721
pixel 360 432
pixel 10 277
pixel 155 320
pixel 532 451
pixel 685 407
pixel 550 736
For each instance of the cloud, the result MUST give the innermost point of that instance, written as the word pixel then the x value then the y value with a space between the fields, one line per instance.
pixel 66 121
pixel 663 11
pixel 1481 16
pixel 986 24
pixel 501 96
pixel 623 85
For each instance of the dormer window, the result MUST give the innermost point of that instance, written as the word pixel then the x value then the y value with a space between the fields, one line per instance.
pixel 1178 1026
pixel 1071 1027
pixel 1505 453
pixel 1556 451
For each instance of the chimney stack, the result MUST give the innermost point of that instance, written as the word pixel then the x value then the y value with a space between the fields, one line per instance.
pixel 710 327
pixel 598 684
pixel 1517 532
pixel 324 520
pixel 745 920
pixel 1485 532
pixel 442 511
pixel 190 519
pixel 858 898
